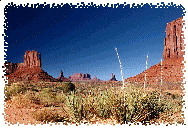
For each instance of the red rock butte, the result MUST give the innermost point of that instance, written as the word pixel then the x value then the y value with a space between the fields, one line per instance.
pixel 172 66
pixel 174 43
pixel 29 70
pixel 32 59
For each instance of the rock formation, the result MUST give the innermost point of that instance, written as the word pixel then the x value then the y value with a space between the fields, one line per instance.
pixel 61 75
pixel 10 67
pixel 173 56
pixel 30 70
pixel 173 43
pixel 95 79
pixel 62 78
pixel 79 77
pixel 32 58
pixel 113 78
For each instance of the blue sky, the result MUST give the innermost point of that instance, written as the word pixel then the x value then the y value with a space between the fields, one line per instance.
pixel 83 40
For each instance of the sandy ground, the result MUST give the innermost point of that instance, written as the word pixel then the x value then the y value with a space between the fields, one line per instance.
pixel 14 115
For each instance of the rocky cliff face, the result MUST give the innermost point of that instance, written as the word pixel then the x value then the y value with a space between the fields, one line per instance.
pixel 174 43
pixel 32 59
pixel 172 65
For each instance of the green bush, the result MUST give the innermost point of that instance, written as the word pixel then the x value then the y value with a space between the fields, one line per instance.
pixel 132 105
pixel 68 87
pixel 74 107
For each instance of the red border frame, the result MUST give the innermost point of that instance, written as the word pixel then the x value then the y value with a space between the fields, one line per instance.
pixel 3 46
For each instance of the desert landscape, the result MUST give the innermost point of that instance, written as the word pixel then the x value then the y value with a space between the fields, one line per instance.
pixel 34 97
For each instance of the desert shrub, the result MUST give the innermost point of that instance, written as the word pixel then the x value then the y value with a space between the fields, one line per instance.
pixel 50 97
pixel 48 115
pixel 74 107
pixel 60 98
pixel 22 100
pixel 102 104
pixel 132 105
pixel 13 90
pixel 68 87
pixel 46 97
pixel 34 87
pixel 172 107
pixel 143 106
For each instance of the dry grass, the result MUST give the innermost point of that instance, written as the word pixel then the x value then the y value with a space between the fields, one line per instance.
pixel 99 102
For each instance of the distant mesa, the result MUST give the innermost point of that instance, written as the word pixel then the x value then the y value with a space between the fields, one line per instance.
pixel 95 79
pixel 79 77
pixel 113 78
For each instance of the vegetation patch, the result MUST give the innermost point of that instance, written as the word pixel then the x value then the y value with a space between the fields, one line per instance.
pixel 94 102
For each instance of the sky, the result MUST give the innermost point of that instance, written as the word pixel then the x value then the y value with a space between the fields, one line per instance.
pixel 83 40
